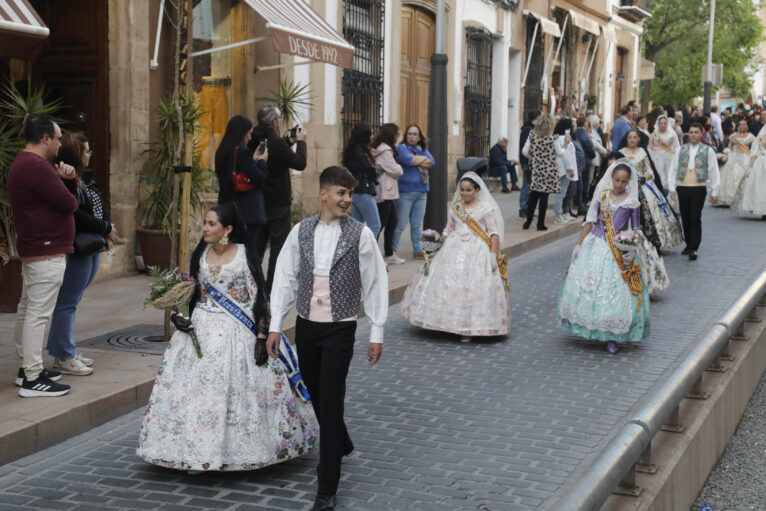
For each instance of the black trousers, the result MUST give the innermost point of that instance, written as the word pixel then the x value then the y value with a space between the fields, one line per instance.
pixel 691 200
pixel 324 355
pixel 388 220
pixel 273 234
pixel 534 196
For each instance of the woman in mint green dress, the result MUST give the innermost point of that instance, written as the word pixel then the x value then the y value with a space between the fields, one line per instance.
pixel 603 296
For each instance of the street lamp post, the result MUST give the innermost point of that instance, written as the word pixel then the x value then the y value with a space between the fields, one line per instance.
pixel 709 67
pixel 436 206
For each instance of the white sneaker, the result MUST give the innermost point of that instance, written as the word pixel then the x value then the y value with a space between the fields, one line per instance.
pixel 394 259
pixel 72 366
pixel 568 217
pixel 560 220
pixel 85 360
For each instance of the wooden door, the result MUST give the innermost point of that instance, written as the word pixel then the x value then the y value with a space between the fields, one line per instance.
pixel 619 69
pixel 418 44
pixel 73 66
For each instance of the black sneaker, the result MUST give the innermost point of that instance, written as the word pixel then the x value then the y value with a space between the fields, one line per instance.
pixel 51 375
pixel 506 190
pixel 42 387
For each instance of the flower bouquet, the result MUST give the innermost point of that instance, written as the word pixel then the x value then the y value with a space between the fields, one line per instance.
pixel 627 242
pixel 432 242
pixel 173 290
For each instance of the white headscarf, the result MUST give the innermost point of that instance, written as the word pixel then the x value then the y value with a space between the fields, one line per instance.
pixel 485 197
pixel 606 184
pixel 657 123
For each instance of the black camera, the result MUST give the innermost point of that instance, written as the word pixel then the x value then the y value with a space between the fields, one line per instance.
pixel 294 130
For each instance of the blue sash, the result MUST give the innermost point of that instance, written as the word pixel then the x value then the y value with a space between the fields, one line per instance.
pixel 663 204
pixel 289 362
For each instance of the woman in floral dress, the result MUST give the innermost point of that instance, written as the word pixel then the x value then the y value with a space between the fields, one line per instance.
pixel 658 222
pixel 465 291
pixel 234 408
pixel 603 296
pixel 737 157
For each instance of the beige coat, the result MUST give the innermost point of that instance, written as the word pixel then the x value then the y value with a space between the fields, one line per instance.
pixel 387 187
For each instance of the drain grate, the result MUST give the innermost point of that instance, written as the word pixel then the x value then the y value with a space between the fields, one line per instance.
pixel 138 339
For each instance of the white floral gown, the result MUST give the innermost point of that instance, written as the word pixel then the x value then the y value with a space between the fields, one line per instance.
pixel 461 294
pixel 221 411
pixel 750 199
pixel 735 168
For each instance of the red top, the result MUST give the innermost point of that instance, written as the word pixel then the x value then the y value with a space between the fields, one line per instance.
pixel 43 206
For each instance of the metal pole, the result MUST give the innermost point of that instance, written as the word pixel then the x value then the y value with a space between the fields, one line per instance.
pixel 708 73
pixel 436 205
pixel 531 52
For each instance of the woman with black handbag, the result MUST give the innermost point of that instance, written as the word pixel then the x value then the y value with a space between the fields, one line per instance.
pixel 357 158
pixel 94 233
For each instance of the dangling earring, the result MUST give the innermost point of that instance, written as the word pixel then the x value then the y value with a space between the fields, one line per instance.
pixel 224 239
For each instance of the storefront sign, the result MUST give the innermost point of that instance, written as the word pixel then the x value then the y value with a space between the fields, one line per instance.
pixel 312 49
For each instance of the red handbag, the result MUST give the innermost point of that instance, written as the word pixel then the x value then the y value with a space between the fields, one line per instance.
pixel 241 181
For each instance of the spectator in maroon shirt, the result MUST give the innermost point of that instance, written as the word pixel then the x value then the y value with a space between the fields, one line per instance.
pixel 43 204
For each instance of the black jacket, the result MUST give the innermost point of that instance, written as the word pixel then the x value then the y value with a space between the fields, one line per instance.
pixel 85 219
pixel 360 164
pixel 277 189
pixel 250 203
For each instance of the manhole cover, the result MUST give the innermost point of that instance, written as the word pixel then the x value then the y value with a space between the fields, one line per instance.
pixel 138 338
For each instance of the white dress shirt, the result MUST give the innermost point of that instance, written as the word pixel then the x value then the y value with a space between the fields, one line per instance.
pixel 372 269
pixel 566 157
pixel 713 175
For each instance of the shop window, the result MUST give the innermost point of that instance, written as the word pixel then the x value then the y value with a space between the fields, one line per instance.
pixel 212 28
pixel 362 87
pixel 478 91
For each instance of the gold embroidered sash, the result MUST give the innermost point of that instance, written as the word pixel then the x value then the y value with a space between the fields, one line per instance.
pixel 502 261
pixel 663 144
pixel 741 146
pixel 632 273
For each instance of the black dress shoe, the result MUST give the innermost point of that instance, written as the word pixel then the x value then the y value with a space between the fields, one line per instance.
pixel 542 228
pixel 515 188
pixel 324 503
pixel 693 255
pixel 685 251
pixel 506 190
pixel 526 225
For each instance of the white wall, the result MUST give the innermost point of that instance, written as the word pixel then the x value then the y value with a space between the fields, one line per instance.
pixel 514 103
pixel 387 56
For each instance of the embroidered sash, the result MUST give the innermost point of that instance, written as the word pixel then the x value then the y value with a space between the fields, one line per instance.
pixel 632 273
pixel 289 361
pixel 663 204
pixel 502 261
pixel 741 146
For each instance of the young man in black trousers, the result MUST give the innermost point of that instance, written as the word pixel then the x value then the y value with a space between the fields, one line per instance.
pixel 693 166
pixel 326 264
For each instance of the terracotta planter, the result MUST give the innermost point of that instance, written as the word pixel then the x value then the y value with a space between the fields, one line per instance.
pixel 155 247
pixel 10 283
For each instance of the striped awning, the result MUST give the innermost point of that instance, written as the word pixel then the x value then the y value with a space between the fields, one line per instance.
pixel 296 29
pixel 22 31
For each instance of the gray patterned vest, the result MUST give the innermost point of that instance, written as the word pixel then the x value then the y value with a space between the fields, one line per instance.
pixel 345 279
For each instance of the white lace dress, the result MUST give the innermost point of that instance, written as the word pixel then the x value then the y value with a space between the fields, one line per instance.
pixel 736 166
pixel 750 199
pixel 221 411
pixel 461 294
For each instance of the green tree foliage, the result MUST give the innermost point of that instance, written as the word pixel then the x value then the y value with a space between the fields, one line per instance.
pixel 676 40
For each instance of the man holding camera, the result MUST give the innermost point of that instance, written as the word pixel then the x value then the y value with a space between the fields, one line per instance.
pixel 277 189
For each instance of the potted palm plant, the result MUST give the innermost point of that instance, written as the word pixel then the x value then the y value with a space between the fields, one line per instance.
pixel 154 233
pixel 15 108
pixel 289 98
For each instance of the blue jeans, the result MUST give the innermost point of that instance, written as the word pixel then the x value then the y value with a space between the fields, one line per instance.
pixel 79 273
pixel 502 172
pixel 559 206
pixel 410 207
pixel 365 209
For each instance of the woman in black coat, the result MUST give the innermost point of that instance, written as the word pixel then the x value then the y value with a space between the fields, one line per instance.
pixel 357 158
pixel 232 156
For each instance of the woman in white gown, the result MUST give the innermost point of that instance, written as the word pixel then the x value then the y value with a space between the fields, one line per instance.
pixel 741 147
pixel 663 145
pixel 234 408
pixel 465 291
pixel 750 199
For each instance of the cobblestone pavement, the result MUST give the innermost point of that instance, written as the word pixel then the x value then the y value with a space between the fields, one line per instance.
pixel 737 481
pixel 495 425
